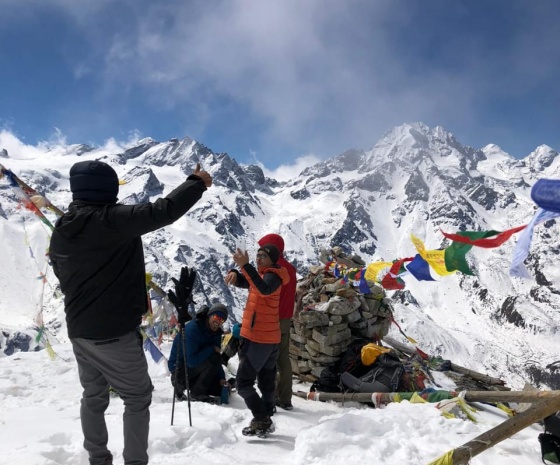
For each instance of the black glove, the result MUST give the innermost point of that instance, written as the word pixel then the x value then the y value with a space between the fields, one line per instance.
pixel 182 297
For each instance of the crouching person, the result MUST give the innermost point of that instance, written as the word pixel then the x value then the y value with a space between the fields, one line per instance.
pixel 201 344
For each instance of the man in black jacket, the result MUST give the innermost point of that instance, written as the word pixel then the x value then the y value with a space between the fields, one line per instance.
pixel 96 252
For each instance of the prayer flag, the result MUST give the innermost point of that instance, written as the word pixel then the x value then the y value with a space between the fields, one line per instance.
pixel 153 350
pixel 435 258
pixel 521 250
pixel 364 288
pixel 391 281
pixel 546 194
pixel 373 270
pixel 420 269
pixel 455 258
pixel 465 237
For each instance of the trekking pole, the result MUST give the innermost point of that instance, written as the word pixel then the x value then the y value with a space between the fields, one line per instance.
pixel 182 299
pixel 173 404
pixel 186 372
pixel 181 335
pixel 175 375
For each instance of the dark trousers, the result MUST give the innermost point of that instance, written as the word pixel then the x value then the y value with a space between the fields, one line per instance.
pixel 257 362
pixel 203 379
pixel 120 363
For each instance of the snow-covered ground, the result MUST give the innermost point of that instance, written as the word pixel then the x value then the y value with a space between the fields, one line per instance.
pixel 40 425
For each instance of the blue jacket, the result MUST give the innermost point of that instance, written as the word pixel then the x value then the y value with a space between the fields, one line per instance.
pixel 200 344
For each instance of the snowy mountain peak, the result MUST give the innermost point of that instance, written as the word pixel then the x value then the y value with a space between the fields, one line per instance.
pixel 544 160
pixel 415 180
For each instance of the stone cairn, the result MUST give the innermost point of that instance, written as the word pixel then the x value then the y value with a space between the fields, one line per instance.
pixel 330 314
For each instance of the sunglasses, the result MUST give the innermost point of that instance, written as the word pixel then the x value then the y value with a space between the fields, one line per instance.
pixel 261 256
pixel 217 319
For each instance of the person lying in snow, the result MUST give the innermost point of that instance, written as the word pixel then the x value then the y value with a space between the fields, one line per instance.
pixel 202 340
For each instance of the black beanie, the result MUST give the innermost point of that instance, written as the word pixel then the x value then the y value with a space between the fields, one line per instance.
pixel 272 251
pixel 220 309
pixel 94 181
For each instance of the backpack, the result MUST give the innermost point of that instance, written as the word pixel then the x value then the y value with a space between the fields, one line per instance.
pixel 550 439
pixel 351 360
pixel 329 381
pixel 385 375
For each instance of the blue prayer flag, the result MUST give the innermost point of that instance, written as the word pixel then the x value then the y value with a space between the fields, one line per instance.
pixel 364 288
pixel 546 194
pixel 153 350
pixel 420 269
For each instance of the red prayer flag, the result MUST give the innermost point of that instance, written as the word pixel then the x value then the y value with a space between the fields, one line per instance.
pixel 501 237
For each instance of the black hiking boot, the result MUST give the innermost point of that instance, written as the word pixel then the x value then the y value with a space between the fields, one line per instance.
pixel 260 428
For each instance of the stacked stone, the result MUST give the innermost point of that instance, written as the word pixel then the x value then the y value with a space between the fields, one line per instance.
pixel 330 315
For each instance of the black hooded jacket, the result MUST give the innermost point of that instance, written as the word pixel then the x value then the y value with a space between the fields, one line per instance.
pixel 96 253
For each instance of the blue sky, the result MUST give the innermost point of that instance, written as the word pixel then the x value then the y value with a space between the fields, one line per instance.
pixel 275 80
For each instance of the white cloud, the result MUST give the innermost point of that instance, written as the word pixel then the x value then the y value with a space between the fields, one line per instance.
pixel 17 148
pixel 318 76
pixel 57 144
pixel 290 171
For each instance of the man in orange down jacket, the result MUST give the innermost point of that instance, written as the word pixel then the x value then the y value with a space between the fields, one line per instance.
pixel 260 333
pixel 285 312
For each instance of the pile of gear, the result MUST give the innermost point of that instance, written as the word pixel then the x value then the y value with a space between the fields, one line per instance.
pixel 339 339
pixel 331 314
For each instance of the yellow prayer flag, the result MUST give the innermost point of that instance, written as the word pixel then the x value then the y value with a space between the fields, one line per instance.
pixel 435 258
pixel 417 399
pixel 373 270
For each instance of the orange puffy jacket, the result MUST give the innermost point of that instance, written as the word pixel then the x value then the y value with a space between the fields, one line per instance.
pixel 288 294
pixel 261 322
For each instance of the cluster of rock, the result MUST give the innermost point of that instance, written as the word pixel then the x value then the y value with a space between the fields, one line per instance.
pixel 330 314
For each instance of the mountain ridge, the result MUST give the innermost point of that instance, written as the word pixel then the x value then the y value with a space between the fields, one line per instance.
pixel 415 179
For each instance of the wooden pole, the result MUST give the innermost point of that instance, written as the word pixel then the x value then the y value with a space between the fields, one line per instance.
pixel 457 368
pixel 463 454
pixel 382 398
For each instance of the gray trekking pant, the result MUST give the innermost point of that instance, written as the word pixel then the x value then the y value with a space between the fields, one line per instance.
pixel 120 363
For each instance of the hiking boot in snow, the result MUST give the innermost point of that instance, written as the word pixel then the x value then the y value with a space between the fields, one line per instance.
pixel 285 406
pixel 261 428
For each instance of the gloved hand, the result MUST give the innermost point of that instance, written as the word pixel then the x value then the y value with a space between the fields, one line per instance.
pixel 182 297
